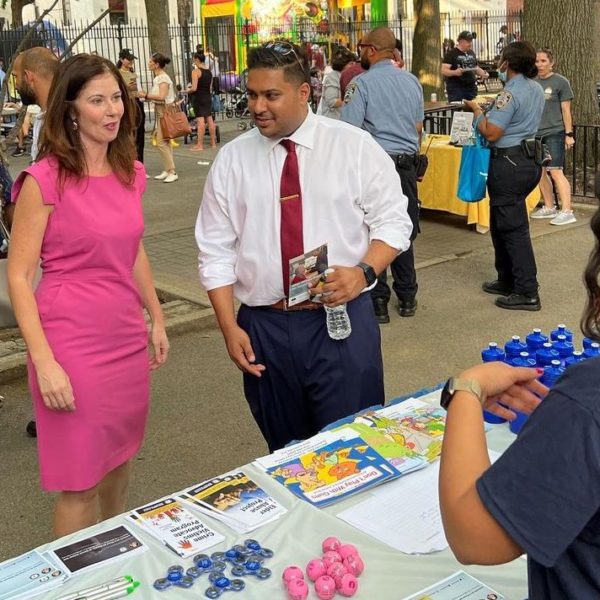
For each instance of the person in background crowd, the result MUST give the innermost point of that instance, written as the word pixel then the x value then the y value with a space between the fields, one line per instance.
pixel 541 498
pixel 352 70
pixel 215 69
pixel 126 69
pixel 388 103
pixel 316 88
pixel 31 114
pixel 513 118
pixel 84 325
pixel 331 100
pixel 200 94
pixel 336 186
pixel 398 58
pixel 460 68
pixel 506 38
pixel 556 131
pixel 161 94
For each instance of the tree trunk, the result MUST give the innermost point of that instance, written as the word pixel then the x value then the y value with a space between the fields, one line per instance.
pixel 16 9
pixel 568 27
pixel 427 48
pixel 184 14
pixel 157 12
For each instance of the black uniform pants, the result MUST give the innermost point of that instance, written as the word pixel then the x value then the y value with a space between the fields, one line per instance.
pixel 140 131
pixel 510 180
pixel 403 266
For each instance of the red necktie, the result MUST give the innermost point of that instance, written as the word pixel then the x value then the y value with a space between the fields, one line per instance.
pixel 292 244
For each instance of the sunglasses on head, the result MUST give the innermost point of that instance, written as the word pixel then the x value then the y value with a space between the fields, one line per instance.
pixel 284 48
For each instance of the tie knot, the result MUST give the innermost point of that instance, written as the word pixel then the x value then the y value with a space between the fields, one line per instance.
pixel 288 145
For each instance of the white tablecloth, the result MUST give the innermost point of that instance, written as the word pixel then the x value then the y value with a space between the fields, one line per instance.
pixel 296 538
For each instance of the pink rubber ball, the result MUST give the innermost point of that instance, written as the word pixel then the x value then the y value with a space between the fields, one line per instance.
pixel 348 585
pixel 330 543
pixel 292 572
pixel 346 550
pixel 331 557
pixel 325 587
pixel 354 565
pixel 297 589
pixel 315 568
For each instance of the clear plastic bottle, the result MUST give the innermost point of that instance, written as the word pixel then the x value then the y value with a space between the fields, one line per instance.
pixel 338 322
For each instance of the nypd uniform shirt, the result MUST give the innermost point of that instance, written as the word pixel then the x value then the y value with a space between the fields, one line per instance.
pixel 517 110
pixel 388 103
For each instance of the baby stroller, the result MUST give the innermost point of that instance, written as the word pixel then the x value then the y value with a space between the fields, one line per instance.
pixel 238 105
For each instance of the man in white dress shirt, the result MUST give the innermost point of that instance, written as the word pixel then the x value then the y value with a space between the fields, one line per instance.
pixel 296 378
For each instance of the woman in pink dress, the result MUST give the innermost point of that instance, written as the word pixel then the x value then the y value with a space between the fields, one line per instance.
pixel 78 210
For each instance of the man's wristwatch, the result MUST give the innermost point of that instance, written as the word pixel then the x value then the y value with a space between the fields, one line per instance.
pixel 454 385
pixel 369 271
pixel 569 134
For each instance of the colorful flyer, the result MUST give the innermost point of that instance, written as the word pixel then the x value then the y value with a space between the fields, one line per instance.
pixel 306 269
pixel 334 471
pixel 176 527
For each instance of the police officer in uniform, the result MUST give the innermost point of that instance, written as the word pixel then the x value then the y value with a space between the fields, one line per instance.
pixel 388 102
pixel 510 126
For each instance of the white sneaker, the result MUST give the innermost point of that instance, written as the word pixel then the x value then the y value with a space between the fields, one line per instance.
pixel 563 218
pixel 163 175
pixel 170 178
pixel 544 213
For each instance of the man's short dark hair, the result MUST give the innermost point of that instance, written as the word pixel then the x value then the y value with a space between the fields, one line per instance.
pixel 281 55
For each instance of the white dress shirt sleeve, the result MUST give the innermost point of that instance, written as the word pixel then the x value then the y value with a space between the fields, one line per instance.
pixel 215 235
pixel 382 199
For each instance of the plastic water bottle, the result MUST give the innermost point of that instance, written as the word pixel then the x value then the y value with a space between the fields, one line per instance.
pixel 514 347
pixel 546 354
pixel 551 373
pixel 433 97
pixel 561 330
pixel 593 350
pixel 338 322
pixel 535 340
pixel 576 357
pixel 563 346
pixel 492 353
pixel 523 360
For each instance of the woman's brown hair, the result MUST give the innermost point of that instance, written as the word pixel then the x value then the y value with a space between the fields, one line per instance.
pixel 61 140
pixel 590 322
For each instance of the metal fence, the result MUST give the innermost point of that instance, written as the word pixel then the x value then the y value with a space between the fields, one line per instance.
pixel 229 39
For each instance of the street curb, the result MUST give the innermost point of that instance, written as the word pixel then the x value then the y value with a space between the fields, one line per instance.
pixel 181 316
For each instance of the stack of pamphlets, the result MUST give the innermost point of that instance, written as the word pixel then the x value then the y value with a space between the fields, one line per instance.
pixel 176 527
pixel 459 586
pixel 29 575
pixel 105 547
pixel 376 447
pixel 234 499
pixel 329 467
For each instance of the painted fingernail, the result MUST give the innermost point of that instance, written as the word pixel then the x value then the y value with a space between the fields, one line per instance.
pixel 540 371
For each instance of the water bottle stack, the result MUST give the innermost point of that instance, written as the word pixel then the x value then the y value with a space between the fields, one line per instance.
pixel 553 354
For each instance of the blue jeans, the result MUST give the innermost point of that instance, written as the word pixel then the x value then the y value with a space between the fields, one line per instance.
pixel 556 146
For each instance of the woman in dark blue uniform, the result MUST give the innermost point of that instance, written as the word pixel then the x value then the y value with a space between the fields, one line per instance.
pixel 513 118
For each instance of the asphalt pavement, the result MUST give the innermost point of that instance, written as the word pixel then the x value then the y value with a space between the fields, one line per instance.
pixel 200 425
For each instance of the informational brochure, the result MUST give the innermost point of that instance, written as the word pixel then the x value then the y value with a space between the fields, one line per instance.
pixel 30 575
pixel 98 550
pixel 459 586
pixel 462 128
pixel 176 527
pixel 235 499
pixel 306 269
pixel 333 472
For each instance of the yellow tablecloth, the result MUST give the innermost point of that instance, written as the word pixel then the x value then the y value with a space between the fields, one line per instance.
pixel 437 191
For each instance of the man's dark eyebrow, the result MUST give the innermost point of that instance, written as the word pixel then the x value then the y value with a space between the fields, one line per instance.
pixel 269 91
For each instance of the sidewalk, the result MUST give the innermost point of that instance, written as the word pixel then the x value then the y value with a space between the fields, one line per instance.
pixel 170 213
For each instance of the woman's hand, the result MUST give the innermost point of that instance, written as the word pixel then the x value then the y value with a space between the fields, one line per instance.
pixel 55 386
pixel 160 346
pixel 142 94
pixel 507 389
pixel 471 104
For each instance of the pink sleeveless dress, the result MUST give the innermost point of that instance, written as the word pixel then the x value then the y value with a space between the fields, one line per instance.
pixel 91 313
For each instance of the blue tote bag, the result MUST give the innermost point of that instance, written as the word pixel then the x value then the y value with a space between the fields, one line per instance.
pixel 473 173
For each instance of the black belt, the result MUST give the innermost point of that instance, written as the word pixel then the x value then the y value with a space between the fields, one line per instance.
pixel 404 161
pixel 510 151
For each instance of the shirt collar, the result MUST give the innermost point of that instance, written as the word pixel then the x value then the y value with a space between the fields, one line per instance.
pixel 382 63
pixel 514 80
pixel 303 136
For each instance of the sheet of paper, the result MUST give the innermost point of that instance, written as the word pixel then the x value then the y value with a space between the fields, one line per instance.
pixel 405 514
pixel 459 586
pixel 28 575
